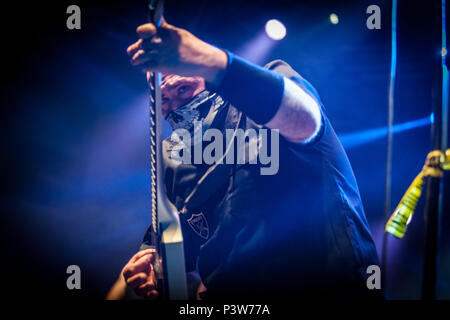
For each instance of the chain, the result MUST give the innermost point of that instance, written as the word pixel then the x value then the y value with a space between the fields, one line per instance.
pixel 153 150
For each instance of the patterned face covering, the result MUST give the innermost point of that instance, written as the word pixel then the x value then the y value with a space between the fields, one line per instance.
pixel 201 112
pixel 203 107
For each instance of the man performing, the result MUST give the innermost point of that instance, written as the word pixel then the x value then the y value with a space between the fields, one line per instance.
pixel 299 230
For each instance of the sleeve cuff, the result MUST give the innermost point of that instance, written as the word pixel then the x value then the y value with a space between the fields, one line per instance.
pixel 255 91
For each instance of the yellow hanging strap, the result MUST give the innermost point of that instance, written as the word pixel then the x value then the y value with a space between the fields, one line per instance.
pixel 435 164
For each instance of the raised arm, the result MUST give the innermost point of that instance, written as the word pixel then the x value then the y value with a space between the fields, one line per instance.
pixel 265 96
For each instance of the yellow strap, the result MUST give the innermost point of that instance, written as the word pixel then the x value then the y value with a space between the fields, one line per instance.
pixel 446 160
pixel 435 164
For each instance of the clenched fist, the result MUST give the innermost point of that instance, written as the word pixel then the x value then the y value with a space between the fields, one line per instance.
pixel 172 50
pixel 140 275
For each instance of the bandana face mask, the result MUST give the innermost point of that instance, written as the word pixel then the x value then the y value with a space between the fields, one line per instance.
pixel 184 116
pixel 201 111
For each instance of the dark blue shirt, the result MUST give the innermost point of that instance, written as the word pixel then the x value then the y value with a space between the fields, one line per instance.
pixel 302 231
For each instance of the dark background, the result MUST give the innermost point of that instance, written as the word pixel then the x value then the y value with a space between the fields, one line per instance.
pixel 75 170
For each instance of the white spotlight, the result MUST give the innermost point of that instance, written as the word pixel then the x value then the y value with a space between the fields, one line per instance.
pixel 334 19
pixel 275 29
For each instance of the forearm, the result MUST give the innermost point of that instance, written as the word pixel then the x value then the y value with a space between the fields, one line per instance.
pixel 117 291
pixel 298 117
pixel 269 98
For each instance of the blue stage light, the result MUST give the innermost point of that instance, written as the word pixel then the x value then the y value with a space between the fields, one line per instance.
pixel 355 139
